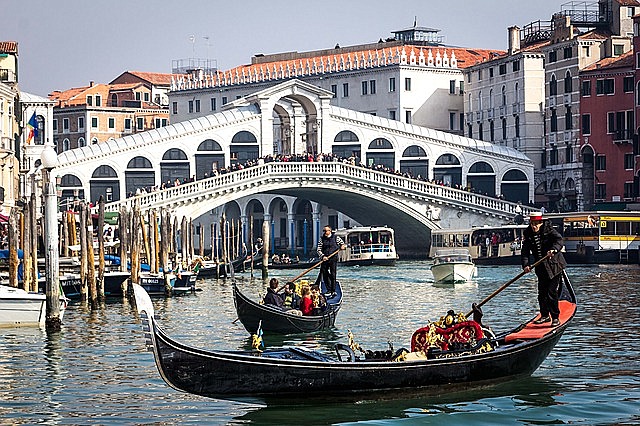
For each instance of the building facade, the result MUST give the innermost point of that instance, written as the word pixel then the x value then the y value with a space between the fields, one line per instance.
pixel 10 121
pixel 607 128
pixel 133 103
pixel 410 78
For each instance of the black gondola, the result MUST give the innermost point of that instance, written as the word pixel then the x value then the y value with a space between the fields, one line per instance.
pixel 275 320
pixel 294 370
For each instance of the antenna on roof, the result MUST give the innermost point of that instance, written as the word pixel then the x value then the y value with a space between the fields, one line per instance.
pixel 192 39
pixel 208 44
pixel 415 21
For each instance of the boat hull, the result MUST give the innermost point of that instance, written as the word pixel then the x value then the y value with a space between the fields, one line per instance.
pixel 452 272
pixel 20 308
pixel 155 284
pixel 299 371
pixel 226 373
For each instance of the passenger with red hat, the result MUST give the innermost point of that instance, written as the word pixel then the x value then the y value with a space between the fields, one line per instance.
pixel 539 240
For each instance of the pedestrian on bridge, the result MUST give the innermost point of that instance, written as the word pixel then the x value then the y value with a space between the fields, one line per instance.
pixel 328 244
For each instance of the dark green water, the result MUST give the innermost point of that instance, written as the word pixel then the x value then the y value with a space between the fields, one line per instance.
pixel 96 370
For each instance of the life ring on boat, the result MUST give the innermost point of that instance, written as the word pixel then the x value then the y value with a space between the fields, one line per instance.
pixel 342 347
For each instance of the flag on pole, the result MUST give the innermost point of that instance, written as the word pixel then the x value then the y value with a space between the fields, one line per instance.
pixel 32 128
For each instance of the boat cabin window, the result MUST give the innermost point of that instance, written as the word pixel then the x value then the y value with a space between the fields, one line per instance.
pixel 586 227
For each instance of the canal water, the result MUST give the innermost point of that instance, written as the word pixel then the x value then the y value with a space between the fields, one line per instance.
pixel 96 370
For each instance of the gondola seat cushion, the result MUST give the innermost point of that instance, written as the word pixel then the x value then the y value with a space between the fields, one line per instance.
pixel 445 338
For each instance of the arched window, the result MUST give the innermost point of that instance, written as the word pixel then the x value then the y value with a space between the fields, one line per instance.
pixel 568 83
pixel 380 143
pixel 104 171
pixel 244 137
pixel 70 180
pixel 82 142
pixel 139 163
pixel 516 90
pixel 174 154
pixel 553 86
pixel 346 136
pixel 66 145
pixel 514 175
pixel 491 98
pixel 447 160
pixel 209 145
pixel 481 167
pixel 414 151
pixel 503 95
pixel 114 100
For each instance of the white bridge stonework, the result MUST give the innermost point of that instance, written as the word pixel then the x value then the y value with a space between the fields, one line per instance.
pixel 302 112
pixel 410 206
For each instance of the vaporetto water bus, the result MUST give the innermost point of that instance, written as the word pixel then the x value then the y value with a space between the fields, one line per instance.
pixel 487 245
pixel 368 245
pixel 599 236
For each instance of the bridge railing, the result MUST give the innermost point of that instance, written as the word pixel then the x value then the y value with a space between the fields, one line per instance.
pixel 256 175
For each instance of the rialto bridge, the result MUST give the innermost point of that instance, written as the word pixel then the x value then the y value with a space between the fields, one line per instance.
pixel 298 197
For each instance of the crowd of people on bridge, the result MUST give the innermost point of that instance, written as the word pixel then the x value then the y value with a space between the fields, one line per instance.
pixel 308 157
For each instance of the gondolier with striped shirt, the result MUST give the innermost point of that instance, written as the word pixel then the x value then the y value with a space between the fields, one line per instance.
pixel 328 244
pixel 539 240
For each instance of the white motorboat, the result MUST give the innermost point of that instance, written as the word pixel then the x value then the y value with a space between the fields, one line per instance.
pixel 21 308
pixel 451 266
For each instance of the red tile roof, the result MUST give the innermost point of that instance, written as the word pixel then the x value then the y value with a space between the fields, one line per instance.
pixel 626 60
pixel 155 78
pixel 335 61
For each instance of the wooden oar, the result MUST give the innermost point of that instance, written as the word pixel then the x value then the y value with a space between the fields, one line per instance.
pixel 306 271
pixel 507 284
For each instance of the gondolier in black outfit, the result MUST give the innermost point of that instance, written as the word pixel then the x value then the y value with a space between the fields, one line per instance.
pixel 328 243
pixel 540 239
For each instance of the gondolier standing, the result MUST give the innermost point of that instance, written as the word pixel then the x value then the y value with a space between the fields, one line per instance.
pixel 541 239
pixel 328 243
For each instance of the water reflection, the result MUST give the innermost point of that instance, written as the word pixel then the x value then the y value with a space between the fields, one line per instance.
pixel 97 370
pixel 425 403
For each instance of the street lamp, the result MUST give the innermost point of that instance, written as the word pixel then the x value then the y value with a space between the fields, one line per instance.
pixel 49 160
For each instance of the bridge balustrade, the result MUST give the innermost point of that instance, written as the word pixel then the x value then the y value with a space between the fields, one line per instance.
pixel 258 175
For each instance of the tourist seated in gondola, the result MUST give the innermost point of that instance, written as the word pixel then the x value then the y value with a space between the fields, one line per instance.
pixel 275 258
pixel 291 300
pixel 319 300
pixel 306 304
pixel 272 297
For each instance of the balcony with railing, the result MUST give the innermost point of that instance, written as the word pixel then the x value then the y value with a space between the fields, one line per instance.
pixel 490 114
pixel 622 136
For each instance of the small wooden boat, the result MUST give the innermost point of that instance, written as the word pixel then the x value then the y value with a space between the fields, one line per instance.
pixel 21 308
pixel 113 283
pixel 452 266
pixel 155 284
pixel 298 371
pixel 276 320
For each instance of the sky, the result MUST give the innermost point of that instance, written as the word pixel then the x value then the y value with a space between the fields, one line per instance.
pixel 68 43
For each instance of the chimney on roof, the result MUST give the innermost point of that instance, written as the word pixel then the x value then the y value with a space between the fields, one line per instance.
pixel 91 83
pixel 514 39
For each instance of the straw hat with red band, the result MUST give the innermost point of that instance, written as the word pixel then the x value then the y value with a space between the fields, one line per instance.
pixel 535 216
